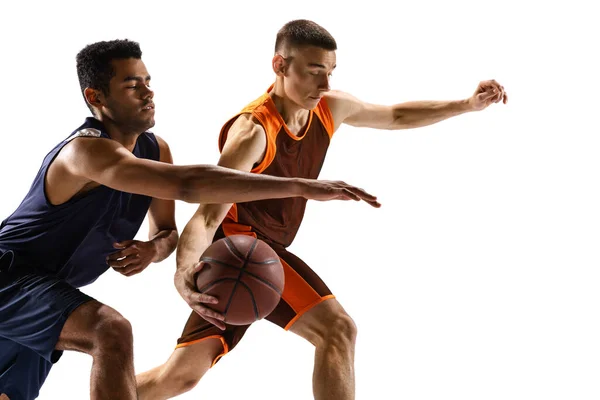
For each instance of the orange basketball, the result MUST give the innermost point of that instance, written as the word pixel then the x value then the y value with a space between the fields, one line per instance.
pixel 245 274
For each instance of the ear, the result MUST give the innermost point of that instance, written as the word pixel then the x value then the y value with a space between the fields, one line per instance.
pixel 279 65
pixel 94 97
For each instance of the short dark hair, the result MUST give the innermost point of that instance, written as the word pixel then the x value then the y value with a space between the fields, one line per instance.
pixel 94 67
pixel 302 32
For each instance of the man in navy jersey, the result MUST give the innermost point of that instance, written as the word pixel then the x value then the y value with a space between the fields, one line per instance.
pixel 81 214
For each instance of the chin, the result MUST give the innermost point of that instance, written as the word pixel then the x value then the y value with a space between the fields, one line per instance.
pixel 312 105
pixel 144 125
pixel 150 124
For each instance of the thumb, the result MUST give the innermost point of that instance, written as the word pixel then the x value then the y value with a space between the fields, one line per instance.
pixel 198 266
pixel 485 96
pixel 123 244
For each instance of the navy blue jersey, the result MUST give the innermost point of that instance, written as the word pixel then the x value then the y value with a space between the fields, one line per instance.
pixel 70 241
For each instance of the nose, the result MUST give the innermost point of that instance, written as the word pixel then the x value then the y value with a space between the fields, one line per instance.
pixel 324 84
pixel 147 92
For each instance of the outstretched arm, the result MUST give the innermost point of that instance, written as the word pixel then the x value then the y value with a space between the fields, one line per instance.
pixel 110 164
pixel 352 111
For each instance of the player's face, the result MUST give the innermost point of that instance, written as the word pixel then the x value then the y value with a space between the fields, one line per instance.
pixel 129 102
pixel 308 75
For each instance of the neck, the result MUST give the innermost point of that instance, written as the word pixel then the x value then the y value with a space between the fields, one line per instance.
pixel 292 113
pixel 122 134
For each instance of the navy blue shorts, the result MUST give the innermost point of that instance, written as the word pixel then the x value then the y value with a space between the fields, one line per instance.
pixel 33 310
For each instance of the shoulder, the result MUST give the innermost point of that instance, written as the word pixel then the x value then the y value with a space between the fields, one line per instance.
pixel 342 105
pixel 337 98
pixel 164 149
pixel 247 125
pixel 246 130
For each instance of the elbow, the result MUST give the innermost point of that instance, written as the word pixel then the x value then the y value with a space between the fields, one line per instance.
pixel 212 221
pixel 401 120
pixel 186 188
pixel 183 190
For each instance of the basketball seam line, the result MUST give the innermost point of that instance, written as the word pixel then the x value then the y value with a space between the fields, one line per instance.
pixel 216 282
pixel 233 249
pixel 246 258
pixel 254 306
pixel 258 278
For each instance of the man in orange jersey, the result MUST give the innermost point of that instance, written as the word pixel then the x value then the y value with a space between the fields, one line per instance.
pixel 286 132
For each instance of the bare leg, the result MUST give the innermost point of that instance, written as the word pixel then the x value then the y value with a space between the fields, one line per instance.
pixel 4 397
pixel 100 331
pixel 333 333
pixel 181 373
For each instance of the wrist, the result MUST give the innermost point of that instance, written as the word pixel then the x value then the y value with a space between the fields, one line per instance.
pixel 467 105
pixel 300 187
pixel 155 250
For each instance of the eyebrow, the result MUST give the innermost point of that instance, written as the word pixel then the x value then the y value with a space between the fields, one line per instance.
pixel 137 78
pixel 320 65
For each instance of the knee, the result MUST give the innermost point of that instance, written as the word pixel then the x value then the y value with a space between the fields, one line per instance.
pixel 4 397
pixel 340 330
pixel 113 332
pixel 181 379
pixel 186 383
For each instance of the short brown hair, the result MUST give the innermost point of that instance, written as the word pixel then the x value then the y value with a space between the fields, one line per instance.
pixel 302 32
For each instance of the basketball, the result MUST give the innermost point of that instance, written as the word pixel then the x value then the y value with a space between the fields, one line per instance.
pixel 245 274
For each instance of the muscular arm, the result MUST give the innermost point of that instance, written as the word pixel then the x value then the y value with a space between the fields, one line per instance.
pixel 245 146
pixel 108 163
pixel 352 111
pixel 163 228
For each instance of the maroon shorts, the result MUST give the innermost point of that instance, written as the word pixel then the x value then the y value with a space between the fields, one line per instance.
pixel 302 291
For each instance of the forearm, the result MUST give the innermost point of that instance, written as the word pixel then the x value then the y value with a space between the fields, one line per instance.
pixel 212 184
pixel 416 114
pixel 195 239
pixel 165 243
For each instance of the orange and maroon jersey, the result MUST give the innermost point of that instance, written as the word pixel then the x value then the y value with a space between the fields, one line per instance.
pixel 287 155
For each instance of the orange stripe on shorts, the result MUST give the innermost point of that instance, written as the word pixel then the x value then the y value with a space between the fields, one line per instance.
pixel 296 291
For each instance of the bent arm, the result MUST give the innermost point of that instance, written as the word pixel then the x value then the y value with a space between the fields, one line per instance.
pixel 161 215
pixel 245 146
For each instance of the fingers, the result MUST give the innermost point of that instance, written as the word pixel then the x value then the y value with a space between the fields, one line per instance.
pixel 123 262
pixel 361 194
pixel 494 89
pixel 218 323
pixel 206 312
pixel 123 244
pixel 197 298
pixel 131 269
pixel 129 251
pixel 210 315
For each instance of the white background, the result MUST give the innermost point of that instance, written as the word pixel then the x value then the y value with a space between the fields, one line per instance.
pixel 477 279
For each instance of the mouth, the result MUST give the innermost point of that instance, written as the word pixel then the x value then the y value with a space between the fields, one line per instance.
pixel 148 107
pixel 318 98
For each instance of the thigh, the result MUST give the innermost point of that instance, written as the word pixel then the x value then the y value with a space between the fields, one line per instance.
pixel 197 330
pixel 303 290
pixel 22 371
pixel 33 311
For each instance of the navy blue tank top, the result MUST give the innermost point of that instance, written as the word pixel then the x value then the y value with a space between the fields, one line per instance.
pixel 71 240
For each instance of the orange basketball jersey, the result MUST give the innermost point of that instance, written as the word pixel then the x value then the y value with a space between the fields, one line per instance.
pixel 287 155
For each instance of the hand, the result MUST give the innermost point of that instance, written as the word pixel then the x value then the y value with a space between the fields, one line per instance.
pixel 133 257
pixel 487 92
pixel 336 190
pixel 185 282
